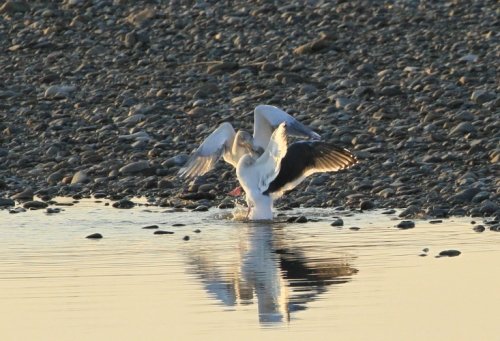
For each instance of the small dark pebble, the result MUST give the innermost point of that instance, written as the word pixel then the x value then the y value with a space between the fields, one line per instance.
pixel 124 203
pixel 473 222
pixel 163 232
pixel 35 204
pixel 178 224
pixel 391 211
pixel 301 219
pixel 7 202
pixel 150 227
pixel 197 231
pixel 479 228
pixel 406 224
pixel 17 210
pixel 53 210
pixel 495 228
pixel 94 236
pixel 337 222
pixel 197 196
pixel 99 195
pixel 226 205
pixel 425 249
pixel 186 238
pixel 438 221
pixel 367 205
pixel 449 253
pixel 354 228
pixel 423 255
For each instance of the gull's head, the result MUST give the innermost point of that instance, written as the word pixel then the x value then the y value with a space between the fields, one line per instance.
pixel 244 140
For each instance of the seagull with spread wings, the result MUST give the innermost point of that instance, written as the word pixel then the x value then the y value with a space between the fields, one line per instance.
pixel 282 167
pixel 231 145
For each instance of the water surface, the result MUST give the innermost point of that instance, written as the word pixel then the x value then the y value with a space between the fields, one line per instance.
pixel 236 280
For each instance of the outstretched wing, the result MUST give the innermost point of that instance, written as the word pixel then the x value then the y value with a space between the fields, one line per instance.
pixel 267 166
pixel 266 120
pixel 204 158
pixel 308 157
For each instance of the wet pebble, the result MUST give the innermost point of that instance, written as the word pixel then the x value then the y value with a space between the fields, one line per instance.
pixel 449 253
pixel 35 204
pixel 17 210
pixel 6 202
pixel 200 208
pixel 150 227
pixel 50 210
pixel 301 219
pixel 406 224
pixel 124 203
pixel 367 205
pixel 337 222
pixel 163 232
pixel 479 228
pixel 185 238
pixel 26 194
pixel 94 236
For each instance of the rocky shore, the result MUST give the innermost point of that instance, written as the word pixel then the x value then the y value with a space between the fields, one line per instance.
pixel 107 98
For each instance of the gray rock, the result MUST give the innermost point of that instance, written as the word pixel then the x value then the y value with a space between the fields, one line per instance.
pixel 367 205
pixel 482 96
pixel 35 204
pixel 337 222
pixel 12 7
pixel 151 227
pixel 123 203
pixel 463 128
pixel 406 224
pixel 59 91
pixel 488 208
pixel 94 236
pixel 449 253
pixel 200 208
pixel 465 196
pixel 391 90
pixel 135 167
pixel 301 219
pixel 479 228
pixel 410 211
pixel 7 202
pixel 80 177
pixel 27 194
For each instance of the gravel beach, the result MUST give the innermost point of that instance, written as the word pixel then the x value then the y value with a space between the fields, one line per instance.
pixel 108 98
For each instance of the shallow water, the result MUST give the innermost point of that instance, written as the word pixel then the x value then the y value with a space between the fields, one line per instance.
pixel 237 280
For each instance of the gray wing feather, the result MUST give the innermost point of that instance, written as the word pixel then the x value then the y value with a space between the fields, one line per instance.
pixel 268 117
pixel 208 153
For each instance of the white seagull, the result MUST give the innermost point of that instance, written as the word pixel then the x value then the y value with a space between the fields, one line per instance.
pixel 281 168
pixel 234 145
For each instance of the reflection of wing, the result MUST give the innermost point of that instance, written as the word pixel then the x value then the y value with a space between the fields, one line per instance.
pixel 309 278
pixel 204 158
pixel 266 120
pixel 267 166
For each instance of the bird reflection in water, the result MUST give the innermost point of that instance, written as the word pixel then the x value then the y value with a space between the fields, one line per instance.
pixel 266 268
